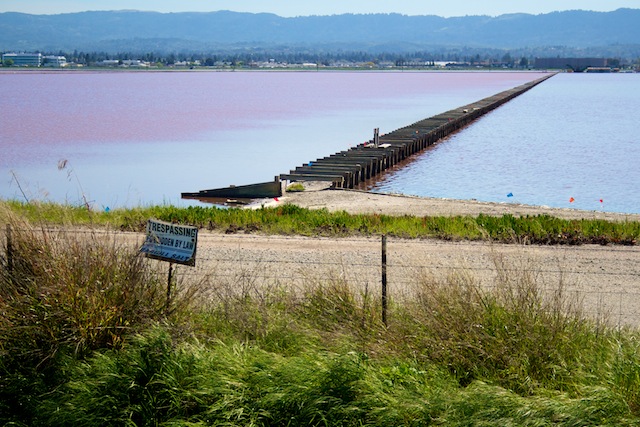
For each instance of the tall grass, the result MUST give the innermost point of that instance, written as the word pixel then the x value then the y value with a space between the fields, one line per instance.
pixel 62 295
pixel 85 340
pixel 519 334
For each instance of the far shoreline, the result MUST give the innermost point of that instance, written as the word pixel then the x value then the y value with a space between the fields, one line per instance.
pixel 93 69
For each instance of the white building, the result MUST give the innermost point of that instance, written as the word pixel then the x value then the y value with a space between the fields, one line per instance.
pixel 108 63
pixel 134 63
pixel 54 61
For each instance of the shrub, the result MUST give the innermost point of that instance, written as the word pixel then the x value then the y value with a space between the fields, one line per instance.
pixel 295 187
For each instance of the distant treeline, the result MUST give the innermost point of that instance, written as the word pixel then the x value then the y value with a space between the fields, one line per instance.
pixel 520 58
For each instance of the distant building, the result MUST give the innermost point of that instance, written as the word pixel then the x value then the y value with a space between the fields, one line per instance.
pixel 575 64
pixel 23 59
pixel 108 63
pixel 124 63
pixel 54 61
pixel 134 63
pixel 599 70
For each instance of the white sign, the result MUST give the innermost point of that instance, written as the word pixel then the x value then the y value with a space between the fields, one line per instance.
pixel 171 242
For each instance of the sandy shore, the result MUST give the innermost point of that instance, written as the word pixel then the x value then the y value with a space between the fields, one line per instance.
pixel 318 195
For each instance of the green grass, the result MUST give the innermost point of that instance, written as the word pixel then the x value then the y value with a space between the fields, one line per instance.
pixel 291 219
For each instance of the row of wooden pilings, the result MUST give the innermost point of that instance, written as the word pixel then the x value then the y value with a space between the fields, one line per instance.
pixel 349 168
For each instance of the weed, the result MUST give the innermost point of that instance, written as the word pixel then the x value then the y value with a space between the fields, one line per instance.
pixel 295 187
pixel 520 334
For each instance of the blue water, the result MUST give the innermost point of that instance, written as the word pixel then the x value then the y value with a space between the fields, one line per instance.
pixel 571 142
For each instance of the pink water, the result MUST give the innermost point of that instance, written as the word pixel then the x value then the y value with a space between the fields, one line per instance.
pixel 140 138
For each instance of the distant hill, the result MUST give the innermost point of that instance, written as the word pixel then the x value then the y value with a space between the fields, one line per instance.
pixel 118 31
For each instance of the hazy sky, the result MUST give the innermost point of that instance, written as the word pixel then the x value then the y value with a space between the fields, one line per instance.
pixel 321 7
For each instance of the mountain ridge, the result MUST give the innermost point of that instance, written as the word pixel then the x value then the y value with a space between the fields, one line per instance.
pixel 115 30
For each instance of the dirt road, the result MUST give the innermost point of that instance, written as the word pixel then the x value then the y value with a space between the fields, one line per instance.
pixel 606 279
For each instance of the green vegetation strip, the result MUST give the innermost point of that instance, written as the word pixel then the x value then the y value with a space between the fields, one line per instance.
pixel 291 219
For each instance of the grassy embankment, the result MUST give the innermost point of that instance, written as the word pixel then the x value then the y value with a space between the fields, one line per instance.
pixel 85 338
pixel 289 219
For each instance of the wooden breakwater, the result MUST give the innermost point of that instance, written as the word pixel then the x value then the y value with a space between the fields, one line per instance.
pixel 364 162
pixel 251 191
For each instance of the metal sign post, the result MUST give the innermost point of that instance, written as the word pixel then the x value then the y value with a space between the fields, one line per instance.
pixel 168 301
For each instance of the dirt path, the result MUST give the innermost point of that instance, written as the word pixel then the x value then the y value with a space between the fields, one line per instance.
pixel 605 278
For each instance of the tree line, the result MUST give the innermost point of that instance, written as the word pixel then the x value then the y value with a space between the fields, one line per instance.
pixel 520 58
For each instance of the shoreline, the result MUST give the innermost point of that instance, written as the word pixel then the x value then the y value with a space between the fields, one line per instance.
pixel 318 195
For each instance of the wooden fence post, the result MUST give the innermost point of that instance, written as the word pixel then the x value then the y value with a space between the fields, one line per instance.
pixel 384 279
